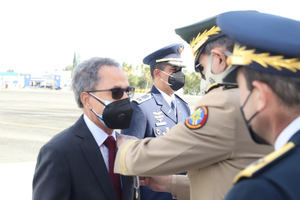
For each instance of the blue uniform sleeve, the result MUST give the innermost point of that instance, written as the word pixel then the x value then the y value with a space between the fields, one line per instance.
pixel 258 189
pixel 138 123
pixel 51 177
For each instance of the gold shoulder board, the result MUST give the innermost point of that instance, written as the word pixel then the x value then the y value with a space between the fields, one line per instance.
pixel 259 164
pixel 143 98
pixel 212 86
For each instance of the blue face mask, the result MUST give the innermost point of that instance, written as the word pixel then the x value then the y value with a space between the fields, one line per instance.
pixel 253 135
pixel 116 115
pixel 105 103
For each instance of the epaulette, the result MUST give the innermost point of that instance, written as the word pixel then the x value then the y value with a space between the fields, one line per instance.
pixel 143 98
pixel 228 86
pixel 225 85
pixel 260 164
pixel 212 86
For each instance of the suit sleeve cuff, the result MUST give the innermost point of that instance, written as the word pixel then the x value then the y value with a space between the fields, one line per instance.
pixel 120 161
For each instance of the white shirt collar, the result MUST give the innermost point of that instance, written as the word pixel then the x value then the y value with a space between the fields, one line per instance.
pixel 287 133
pixel 99 135
pixel 168 98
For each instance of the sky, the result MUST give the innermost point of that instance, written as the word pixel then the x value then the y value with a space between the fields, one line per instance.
pixel 39 36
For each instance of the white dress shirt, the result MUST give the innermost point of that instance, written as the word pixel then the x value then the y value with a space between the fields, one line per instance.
pixel 168 98
pixel 100 137
pixel 287 133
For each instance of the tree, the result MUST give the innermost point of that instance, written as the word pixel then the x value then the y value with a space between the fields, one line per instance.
pixel 68 68
pixel 138 76
pixel 145 78
pixel 75 63
pixel 192 83
pixel 75 60
pixel 128 69
pixel 132 78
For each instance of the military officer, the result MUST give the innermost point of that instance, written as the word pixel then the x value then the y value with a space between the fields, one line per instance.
pixel 213 144
pixel 160 109
pixel 266 59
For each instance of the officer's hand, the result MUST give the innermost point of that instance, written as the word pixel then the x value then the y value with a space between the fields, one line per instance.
pixel 157 183
pixel 123 138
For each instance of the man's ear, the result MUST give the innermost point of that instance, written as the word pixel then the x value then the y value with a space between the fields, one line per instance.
pixel 85 100
pixel 156 72
pixel 263 94
pixel 221 59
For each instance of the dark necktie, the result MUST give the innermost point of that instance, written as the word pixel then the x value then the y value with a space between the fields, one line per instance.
pixel 110 143
pixel 173 107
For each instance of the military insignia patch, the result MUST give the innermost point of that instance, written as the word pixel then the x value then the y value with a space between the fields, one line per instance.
pixel 143 98
pixel 180 49
pixel 198 118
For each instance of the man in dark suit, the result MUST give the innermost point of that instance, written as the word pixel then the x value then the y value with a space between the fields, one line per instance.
pixel 156 112
pixel 78 163
pixel 266 65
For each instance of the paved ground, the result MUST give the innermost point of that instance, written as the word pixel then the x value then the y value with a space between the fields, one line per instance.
pixel 28 119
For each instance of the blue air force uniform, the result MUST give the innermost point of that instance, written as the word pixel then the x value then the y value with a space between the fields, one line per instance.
pixel 276 176
pixel 269 44
pixel 152 115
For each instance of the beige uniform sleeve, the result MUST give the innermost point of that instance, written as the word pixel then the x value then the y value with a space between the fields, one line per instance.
pixel 182 148
pixel 180 187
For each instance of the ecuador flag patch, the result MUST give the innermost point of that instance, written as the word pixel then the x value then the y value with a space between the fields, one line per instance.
pixel 198 118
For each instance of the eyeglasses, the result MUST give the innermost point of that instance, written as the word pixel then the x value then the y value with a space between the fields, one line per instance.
pixel 199 68
pixel 118 92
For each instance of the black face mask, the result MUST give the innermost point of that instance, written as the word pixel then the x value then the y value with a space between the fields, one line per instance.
pixel 117 114
pixel 176 80
pixel 253 135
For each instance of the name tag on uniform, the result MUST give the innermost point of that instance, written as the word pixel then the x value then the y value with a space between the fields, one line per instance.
pixel 160 123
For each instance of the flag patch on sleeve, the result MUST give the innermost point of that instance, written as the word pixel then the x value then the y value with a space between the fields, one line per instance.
pixel 198 118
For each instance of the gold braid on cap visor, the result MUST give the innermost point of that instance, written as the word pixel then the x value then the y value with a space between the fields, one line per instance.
pixel 201 38
pixel 243 56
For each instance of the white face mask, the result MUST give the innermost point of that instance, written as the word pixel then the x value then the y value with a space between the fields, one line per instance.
pixel 211 78
pixel 163 79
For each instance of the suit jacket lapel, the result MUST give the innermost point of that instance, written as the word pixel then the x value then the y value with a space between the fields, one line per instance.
pixel 296 138
pixel 94 158
pixel 165 108
pixel 180 110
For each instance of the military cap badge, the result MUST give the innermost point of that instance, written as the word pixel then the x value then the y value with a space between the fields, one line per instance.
pixel 180 49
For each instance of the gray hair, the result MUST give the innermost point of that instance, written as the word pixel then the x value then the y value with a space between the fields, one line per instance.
pixel 85 75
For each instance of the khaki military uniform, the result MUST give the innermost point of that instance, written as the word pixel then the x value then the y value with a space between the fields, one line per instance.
pixel 180 187
pixel 211 154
